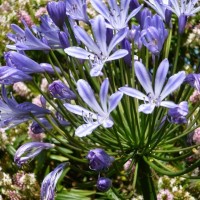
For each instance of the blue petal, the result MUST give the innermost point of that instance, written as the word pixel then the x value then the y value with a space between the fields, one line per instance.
pixel 168 104
pixel 146 108
pixel 86 39
pixel 101 8
pixel 161 76
pixel 117 54
pixel 117 39
pixel 86 129
pixel 79 52
pixel 87 94
pixel 172 84
pixel 134 93
pixel 104 94
pixel 114 100
pixel 143 77
pixel 99 30
pixel 133 13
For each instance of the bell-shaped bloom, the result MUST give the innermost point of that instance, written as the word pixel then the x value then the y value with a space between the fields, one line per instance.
pixel 76 9
pixel 154 34
pixel 117 15
pixel 9 75
pixel 104 184
pixel 154 97
pixel 13 113
pixel 193 80
pixel 160 7
pixel 57 12
pixel 25 40
pixel 29 151
pixel 98 53
pixel 178 114
pixel 183 9
pixel 64 40
pixel 59 90
pixel 101 114
pixel 49 183
pixel 99 160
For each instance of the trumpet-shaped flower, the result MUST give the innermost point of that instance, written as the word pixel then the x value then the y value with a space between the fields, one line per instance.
pixel 76 9
pixel 117 16
pixel 13 113
pixel 50 181
pixel 29 151
pixel 183 9
pixel 154 97
pixel 102 115
pixel 98 53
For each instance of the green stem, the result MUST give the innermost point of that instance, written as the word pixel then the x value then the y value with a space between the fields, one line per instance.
pixel 146 182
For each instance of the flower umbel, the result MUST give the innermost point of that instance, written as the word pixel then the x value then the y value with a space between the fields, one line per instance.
pixel 102 115
pixel 154 98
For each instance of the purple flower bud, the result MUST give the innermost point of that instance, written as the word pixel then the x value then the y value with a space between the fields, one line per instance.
pixel 104 184
pixel 50 181
pixel 63 39
pixel 178 114
pixel 99 159
pixel 57 12
pixel 193 80
pixel 29 151
pixel 59 90
pixel 126 45
pixel 182 20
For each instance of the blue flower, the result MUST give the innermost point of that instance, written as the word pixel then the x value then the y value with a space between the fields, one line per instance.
pixel 178 114
pixel 59 90
pixel 117 16
pixel 102 115
pixel 104 184
pixel 29 151
pixel 25 40
pixel 76 9
pixel 154 98
pixel 183 9
pixel 49 183
pixel 13 113
pixel 57 12
pixel 193 80
pixel 99 160
pixel 98 53
pixel 154 34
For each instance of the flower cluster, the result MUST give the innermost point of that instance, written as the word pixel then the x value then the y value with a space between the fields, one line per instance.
pixel 111 81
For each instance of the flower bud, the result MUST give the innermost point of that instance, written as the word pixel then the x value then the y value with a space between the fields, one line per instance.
pixel 182 20
pixel 59 90
pixel 104 184
pixel 57 12
pixel 99 159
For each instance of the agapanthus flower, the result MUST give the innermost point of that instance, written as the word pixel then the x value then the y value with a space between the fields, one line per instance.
pixel 26 64
pixel 193 80
pixel 98 53
pixel 76 9
pixel 59 90
pixel 29 151
pixel 25 40
pixel 13 113
pixel 154 34
pixel 9 75
pixel 117 15
pixel 50 181
pixel 104 184
pixel 57 12
pixel 99 160
pixel 160 7
pixel 102 115
pixel 178 114
pixel 183 9
pixel 154 97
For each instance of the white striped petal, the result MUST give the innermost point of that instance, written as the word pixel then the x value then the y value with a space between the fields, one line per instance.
pixel 104 94
pixel 146 108
pixel 114 100
pixel 87 94
pixel 118 54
